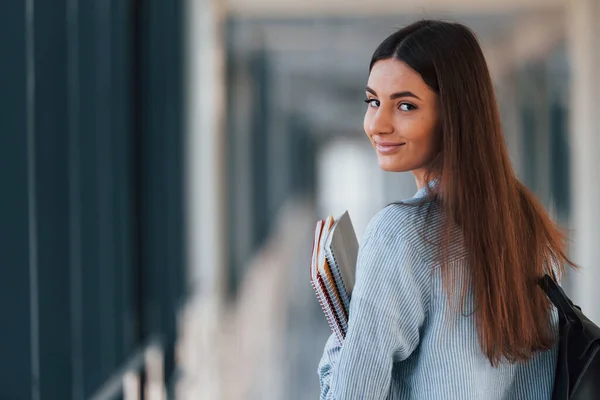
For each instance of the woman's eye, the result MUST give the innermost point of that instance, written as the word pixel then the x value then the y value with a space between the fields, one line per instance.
pixel 406 107
pixel 372 102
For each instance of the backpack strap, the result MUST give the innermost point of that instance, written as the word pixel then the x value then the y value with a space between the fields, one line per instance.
pixel 558 297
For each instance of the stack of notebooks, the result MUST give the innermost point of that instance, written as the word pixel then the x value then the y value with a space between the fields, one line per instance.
pixel 333 270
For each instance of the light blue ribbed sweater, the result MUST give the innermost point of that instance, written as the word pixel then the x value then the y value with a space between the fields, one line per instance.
pixel 399 344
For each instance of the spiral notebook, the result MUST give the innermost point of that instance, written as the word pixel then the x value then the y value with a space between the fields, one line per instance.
pixel 341 250
pixel 319 286
pixel 325 269
pixel 333 265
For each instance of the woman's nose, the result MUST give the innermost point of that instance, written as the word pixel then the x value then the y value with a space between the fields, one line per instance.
pixel 381 123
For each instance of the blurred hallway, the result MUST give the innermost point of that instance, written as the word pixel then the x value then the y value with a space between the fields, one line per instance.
pixel 164 162
pixel 293 128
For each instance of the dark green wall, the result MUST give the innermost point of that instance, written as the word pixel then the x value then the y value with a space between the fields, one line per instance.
pixel 91 205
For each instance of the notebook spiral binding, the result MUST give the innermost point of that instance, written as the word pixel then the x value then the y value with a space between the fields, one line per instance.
pixel 318 285
pixel 338 308
pixel 334 327
pixel 339 281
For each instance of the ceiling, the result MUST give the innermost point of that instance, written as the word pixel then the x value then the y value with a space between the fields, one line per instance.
pixel 299 8
pixel 318 63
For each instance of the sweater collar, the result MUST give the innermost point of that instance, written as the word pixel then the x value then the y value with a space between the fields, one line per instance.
pixel 423 191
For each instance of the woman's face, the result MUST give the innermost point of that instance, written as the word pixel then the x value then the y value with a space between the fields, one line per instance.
pixel 402 118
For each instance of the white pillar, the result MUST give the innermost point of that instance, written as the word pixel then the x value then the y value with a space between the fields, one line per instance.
pixel 584 44
pixel 205 151
pixel 348 178
pixel 205 196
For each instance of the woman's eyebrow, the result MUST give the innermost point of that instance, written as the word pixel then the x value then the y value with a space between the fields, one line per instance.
pixel 396 95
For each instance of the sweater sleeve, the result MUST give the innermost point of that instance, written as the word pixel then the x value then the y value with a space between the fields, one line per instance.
pixel 327 364
pixel 387 311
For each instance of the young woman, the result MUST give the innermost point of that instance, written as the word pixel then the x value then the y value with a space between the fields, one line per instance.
pixel 446 303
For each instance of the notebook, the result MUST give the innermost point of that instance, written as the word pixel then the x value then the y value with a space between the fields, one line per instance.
pixel 318 285
pixel 325 271
pixel 333 269
pixel 341 250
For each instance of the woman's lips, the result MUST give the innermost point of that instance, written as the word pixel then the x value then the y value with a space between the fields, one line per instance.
pixel 387 147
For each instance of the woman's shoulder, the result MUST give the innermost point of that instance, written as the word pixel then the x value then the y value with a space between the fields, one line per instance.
pixel 393 246
pixel 403 220
pixel 415 222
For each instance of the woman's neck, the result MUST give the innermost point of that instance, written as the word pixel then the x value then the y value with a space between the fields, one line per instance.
pixel 420 178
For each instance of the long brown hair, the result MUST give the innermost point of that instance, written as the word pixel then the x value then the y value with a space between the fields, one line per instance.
pixel 510 239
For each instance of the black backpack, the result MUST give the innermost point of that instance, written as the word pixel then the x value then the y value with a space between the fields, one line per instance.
pixel 578 367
